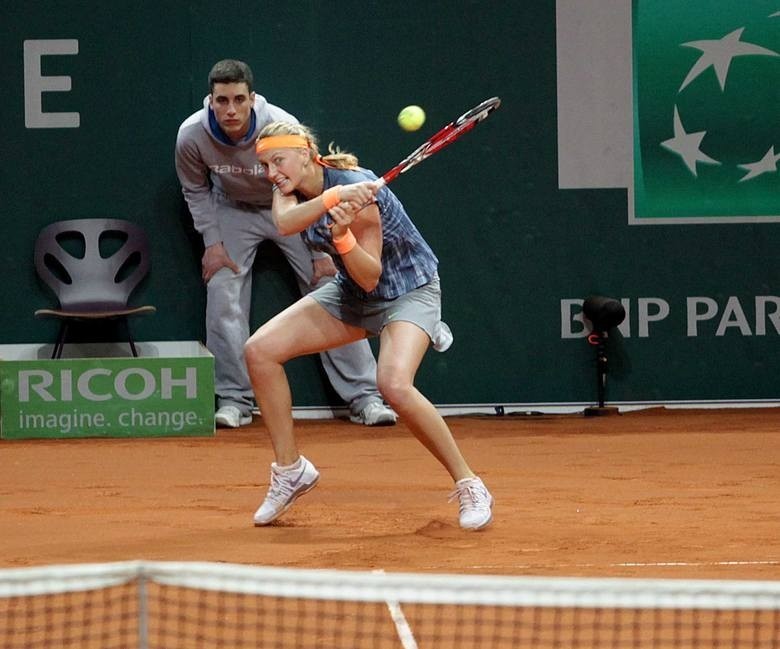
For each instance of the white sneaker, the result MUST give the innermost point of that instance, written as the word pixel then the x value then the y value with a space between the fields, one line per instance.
pixel 442 336
pixel 231 417
pixel 375 413
pixel 475 503
pixel 286 485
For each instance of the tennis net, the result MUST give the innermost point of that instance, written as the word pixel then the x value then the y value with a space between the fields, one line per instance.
pixel 172 605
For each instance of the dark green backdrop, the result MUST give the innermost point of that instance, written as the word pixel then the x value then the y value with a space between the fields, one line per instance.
pixel 511 244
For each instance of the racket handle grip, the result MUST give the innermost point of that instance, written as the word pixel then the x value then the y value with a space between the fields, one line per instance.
pixel 379 183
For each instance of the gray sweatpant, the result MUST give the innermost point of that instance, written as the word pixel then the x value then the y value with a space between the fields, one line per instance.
pixel 351 369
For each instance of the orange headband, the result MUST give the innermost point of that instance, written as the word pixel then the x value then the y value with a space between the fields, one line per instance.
pixel 281 142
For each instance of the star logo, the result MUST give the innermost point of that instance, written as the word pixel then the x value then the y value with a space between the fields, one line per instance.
pixel 688 125
pixel 705 114
pixel 767 164
pixel 687 145
pixel 718 55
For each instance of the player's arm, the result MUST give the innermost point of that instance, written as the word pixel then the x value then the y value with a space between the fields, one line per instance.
pixel 291 216
pixel 363 259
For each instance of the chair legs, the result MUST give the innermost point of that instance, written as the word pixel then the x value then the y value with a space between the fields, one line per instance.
pixel 130 337
pixel 63 332
pixel 57 351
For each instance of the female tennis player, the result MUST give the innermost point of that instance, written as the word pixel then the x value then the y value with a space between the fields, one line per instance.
pixel 387 285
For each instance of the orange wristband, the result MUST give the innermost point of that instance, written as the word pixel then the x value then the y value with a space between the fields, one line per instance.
pixel 345 242
pixel 331 197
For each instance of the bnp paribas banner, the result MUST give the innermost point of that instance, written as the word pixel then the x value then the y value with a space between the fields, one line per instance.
pixel 687 116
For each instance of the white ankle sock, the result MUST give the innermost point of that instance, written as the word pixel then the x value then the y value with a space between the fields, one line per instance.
pixel 291 467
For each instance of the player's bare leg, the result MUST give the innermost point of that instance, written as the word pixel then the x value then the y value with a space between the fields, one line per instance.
pixel 402 348
pixel 301 329
pixel 304 328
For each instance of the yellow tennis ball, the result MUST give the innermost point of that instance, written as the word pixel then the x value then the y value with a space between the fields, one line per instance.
pixel 411 118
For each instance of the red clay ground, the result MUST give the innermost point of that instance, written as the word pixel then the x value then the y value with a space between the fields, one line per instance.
pixel 652 493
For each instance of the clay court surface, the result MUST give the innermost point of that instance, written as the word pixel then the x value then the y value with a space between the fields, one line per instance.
pixel 649 493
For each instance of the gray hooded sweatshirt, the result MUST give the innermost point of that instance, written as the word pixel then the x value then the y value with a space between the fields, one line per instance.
pixel 208 162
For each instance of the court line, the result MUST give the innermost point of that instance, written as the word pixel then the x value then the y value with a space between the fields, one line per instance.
pixel 634 564
pixel 622 564
pixel 402 627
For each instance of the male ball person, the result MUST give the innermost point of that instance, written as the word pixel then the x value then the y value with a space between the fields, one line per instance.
pixel 229 199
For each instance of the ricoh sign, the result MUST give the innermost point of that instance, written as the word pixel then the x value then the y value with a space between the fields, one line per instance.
pixel 110 397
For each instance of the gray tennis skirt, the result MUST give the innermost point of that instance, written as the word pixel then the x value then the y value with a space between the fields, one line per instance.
pixel 421 306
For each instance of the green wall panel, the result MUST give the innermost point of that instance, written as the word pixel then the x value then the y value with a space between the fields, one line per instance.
pixel 512 245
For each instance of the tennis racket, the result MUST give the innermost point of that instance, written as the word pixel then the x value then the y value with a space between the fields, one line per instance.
pixel 444 137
